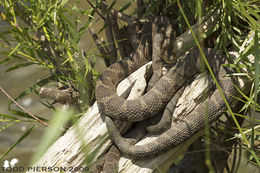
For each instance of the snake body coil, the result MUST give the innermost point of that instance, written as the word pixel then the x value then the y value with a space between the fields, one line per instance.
pixel 159 95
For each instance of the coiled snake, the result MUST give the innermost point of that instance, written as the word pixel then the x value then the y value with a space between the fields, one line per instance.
pixel 157 97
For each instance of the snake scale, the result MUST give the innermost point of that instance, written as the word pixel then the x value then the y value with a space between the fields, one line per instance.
pixel 158 96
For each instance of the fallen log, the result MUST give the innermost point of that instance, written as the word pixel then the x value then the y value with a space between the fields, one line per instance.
pixel 89 136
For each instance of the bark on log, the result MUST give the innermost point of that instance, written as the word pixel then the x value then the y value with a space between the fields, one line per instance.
pixel 85 137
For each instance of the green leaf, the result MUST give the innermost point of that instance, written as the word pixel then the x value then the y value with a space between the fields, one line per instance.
pixel 3 37
pixel 60 118
pixel 17 142
pixel 36 86
pixel 6 126
pixel 48 105
pixel 82 30
pixel 126 6
pixel 22 114
pixel 8 116
pixel 235 65
pixel 14 67
pixel 14 50
pixel 63 2
pixel 5 60
pixel 257 65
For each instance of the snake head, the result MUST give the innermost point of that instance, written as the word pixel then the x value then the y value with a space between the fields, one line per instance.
pixel 169 56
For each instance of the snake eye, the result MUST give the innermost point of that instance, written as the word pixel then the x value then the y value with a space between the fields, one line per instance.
pixel 170 57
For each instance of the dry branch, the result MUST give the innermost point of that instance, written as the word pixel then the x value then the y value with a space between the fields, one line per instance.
pixel 84 137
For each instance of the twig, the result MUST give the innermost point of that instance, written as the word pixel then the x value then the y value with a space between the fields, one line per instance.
pixel 111 40
pixel 118 37
pixel 141 8
pixel 104 7
pixel 101 45
pixel 40 121
pixel 59 96
pixel 95 8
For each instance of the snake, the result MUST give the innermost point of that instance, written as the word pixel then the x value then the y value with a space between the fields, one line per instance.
pixel 144 107
pixel 155 100
pixel 193 122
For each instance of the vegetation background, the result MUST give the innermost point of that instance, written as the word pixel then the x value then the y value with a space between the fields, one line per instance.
pixel 54 36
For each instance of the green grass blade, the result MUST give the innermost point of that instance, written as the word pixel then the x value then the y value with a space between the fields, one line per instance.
pixel 213 76
pixel 8 116
pixel 51 134
pixel 6 126
pixel 17 142
pixel 257 65
pixel 82 30
pixel 23 114
pixel 17 66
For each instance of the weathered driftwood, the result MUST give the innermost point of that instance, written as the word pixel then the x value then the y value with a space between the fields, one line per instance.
pixel 90 135
pixel 85 137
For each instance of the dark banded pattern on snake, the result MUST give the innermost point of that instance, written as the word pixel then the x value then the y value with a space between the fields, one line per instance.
pixel 195 121
pixel 153 101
